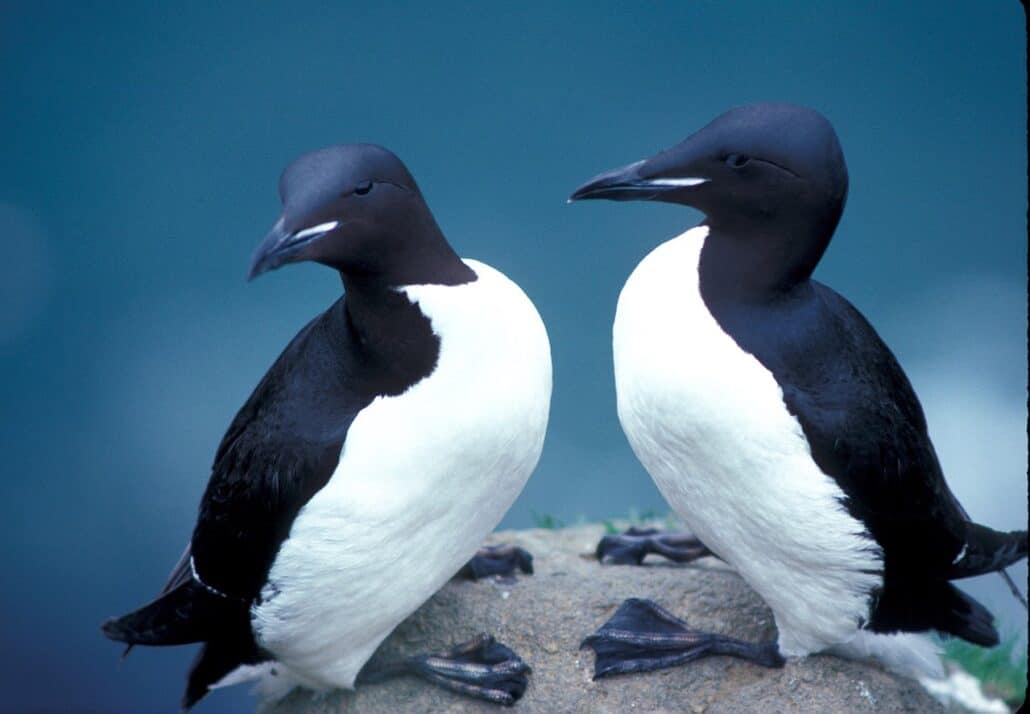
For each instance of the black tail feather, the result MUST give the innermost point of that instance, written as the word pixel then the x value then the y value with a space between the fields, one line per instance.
pixel 962 616
pixel 217 659
pixel 189 613
pixel 987 550
pixel 208 667
pixel 916 606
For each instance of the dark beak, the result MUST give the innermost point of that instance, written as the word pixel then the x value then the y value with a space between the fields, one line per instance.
pixel 622 184
pixel 281 246
pixel 647 180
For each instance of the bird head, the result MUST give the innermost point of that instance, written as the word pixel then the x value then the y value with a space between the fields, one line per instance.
pixel 754 164
pixel 355 208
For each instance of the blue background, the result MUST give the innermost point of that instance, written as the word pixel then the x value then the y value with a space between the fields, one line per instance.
pixel 142 144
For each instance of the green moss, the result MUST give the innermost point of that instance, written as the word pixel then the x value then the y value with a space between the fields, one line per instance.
pixel 546 520
pixel 1001 669
pixel 648 518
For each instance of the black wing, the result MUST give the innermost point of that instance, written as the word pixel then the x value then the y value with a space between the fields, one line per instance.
pixel 867 430
pixel 280 449
pixel 860 415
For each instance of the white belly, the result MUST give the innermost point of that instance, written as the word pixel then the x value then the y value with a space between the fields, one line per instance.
pixel 423 478
pixel 708 422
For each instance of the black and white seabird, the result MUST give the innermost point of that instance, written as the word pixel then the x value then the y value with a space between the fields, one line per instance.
pixel 775 421
pixel 381 448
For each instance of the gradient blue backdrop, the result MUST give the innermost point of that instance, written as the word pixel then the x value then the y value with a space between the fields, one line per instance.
pixel 142 144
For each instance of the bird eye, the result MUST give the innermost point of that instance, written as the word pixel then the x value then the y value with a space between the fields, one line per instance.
pixel 737 160
pixel 362 188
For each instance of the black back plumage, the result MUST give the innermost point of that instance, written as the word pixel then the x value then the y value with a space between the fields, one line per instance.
pixel 279 451
pixel 285 442
pixel 866 429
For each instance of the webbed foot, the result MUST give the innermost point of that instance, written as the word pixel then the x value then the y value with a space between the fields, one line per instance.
pixel 630 547
pixel 497 560
pixel 642 636
pixel 481 668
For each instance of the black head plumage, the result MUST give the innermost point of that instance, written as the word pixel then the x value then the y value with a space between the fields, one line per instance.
pixel 357 208
pixel 772 174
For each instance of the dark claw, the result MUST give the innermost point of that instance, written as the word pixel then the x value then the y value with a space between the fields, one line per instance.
pixel 501 560
pixel 642 637
pixel 630 547
pixel 482 668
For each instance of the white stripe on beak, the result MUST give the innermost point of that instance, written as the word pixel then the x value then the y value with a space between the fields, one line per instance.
pixel 676 181
pixel 313 230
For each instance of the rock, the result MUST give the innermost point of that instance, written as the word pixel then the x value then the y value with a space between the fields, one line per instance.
pixel 544 617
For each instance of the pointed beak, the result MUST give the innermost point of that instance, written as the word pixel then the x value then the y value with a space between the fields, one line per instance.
pixel 639 181
pixel 281 246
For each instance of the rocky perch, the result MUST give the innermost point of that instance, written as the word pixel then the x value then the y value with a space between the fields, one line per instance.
pixel 545 616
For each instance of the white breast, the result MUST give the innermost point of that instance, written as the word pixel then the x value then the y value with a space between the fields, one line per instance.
pixel 423 478
pixel 708 422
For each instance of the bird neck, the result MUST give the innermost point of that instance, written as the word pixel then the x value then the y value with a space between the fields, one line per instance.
pixel 410 250
pixel 755 263
pixel 388 334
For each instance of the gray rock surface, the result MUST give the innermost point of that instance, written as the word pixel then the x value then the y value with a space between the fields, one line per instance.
pixel 544 617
